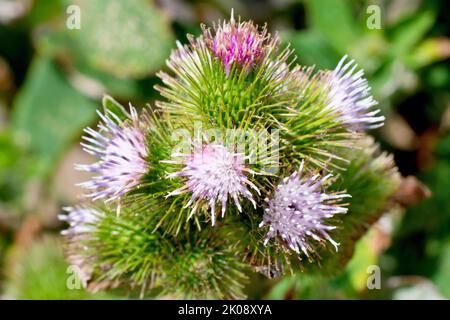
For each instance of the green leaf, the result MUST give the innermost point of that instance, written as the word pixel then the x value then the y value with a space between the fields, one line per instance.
pixel 313 49
pixel 431 215
pixel 428 52
pixel 408 33
pixel 48 114
pixel 442 275
pixel 363 257
pixel 129 39
pixel 281 289
pixel 41 272
pixel 43 11
pixel 126 89
pixel 335 21
pixel 58 45
pixel 15 166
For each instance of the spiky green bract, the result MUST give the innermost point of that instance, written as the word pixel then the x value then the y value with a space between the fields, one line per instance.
pixel 273 259
pixel 127 251
pixel 206 268
pixel 309 130
pixel 199 88
pixel 170 215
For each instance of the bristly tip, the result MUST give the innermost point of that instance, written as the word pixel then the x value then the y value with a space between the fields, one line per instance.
pixel 214 175
pixel 121 151
pixel 298 210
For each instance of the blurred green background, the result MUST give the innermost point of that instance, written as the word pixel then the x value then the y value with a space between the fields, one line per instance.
pixel 52 79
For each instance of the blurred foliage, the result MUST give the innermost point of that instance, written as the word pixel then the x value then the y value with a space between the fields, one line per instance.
pixel 427 226
pixel 14 170
pixel 41 273
pixel 52 79
pixel 118 43
pixel 39 120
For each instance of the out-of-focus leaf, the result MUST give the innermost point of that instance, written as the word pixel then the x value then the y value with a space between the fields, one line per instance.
pixel 280 290
pixel 335 21
pixel 14 167
pixel 312 49
pixel 57 44
pixel 392 79
pixel 428 52
pixel 370 51
pixel 426 225
pixel 431 215
pixel 306 286
pixel 363 257
pixel 129 39
pixel 441 276
pixel 48 114
pixel 50 43
pixel 438 77
pixel 410 31
pixel 42 273
pixel 443 148
pixel 44 11
pixel 124 88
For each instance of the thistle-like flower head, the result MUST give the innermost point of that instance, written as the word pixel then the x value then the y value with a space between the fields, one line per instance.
pixel 120 147
pixel 82 224
pixel 350 97
pixel 240 43
pixel 297 212
pixel 214 174
pixel 81 220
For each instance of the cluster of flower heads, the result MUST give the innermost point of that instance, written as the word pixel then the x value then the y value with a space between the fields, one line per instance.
pixel 298 210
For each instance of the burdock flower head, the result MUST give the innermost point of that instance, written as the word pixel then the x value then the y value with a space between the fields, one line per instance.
pixel 350 97
pixel 82 222
pixel 214 174
pixel 240 43
pixel 121 150
pixel 297 212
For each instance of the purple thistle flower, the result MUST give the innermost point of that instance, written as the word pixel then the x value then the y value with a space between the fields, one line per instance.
pixel 298 210
pixel 214 174
pixel 240 43
pixel 82 221
pixel 350 97
pixel 120 147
